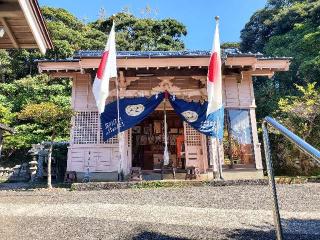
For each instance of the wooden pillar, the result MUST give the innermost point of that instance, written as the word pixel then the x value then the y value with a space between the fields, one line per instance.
pixel 253 122
pixel 126 152
pixel 204 164
pixel 255 140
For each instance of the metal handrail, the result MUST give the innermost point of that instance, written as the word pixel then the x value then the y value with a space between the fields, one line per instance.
pixel 303 145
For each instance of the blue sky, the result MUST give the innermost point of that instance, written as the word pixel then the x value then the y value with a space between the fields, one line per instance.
pixel 197 15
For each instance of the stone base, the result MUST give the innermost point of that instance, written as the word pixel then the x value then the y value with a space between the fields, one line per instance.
pixel 229 174
pixel 98 176
pixel 235 174
pixel 163 184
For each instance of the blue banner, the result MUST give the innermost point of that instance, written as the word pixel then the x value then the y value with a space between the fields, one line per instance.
pixel 194 114
pixel 132 111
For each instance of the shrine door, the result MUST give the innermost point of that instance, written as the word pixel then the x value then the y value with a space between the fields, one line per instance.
pixel 195 148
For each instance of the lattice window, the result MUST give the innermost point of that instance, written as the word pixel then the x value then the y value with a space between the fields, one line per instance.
pixel 129 137
pixel 113 140
pixel 193 137
pixel 85 128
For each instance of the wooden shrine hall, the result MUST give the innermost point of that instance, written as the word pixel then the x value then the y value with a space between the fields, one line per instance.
pixel 183 74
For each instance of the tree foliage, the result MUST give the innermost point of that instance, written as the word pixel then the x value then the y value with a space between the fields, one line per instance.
pixel 288 28
pixel 52 117
pixel 138 34
pixel 47 113
pixel 69 34
pixel 5 65
pixel 230 45
pixel 278 17
pixel 31 90
pixel 301 114
pixel 49 118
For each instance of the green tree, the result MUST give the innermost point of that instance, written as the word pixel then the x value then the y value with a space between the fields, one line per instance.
pixel 285 28
pixel 276 18
pixel 301 114
pixel 143 34
pixel 31 90
pixel 69 34
pixel 230 45
pixel 52 117
pixel 5 65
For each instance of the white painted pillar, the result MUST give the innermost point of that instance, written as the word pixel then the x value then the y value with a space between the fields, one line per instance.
pixel 121 152
pixel 126 152
pixel 255 139
pixel 216 157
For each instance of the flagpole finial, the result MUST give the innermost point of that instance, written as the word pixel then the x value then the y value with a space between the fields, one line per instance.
pixel 113 17
pixel 217 18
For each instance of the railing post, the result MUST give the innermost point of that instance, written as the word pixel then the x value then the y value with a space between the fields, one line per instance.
pixel 276 213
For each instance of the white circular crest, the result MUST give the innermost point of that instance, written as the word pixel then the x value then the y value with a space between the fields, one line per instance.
pixel 190 116
pixel 134 110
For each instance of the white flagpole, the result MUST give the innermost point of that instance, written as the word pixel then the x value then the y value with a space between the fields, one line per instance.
pixel 219 157
pixel 165 153
pixel 119 134
pixel 217 163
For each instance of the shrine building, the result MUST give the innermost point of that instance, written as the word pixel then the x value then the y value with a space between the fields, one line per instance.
pixel 182 74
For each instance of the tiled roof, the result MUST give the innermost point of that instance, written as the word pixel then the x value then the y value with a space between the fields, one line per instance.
pixel 229 52
pixel 142 54
pixel 158 54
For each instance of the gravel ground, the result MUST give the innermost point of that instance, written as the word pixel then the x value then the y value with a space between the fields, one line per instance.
pixel 234 212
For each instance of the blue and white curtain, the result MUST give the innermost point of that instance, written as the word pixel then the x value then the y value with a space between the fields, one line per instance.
pixel 134 110
pixel 194 113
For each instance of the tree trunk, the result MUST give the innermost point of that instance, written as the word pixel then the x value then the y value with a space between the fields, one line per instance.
pixel 49 161
pixel 49 165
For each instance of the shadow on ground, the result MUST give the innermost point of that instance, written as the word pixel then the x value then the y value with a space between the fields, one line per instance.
pixel 246 234
pixel 155 236
pixel 294 229
pixel 23 186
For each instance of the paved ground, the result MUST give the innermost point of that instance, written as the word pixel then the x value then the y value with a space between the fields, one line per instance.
pixel 239 212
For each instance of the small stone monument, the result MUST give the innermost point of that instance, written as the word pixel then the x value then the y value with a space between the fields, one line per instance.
pixel 33 170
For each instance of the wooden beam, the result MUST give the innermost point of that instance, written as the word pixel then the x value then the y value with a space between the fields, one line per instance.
pixel 62 74
pixel 122 80
pixel 10 9
pixel 7 29
pixel 263 72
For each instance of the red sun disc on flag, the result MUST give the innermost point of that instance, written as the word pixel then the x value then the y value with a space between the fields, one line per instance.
pixel 102 64
pixel 213 66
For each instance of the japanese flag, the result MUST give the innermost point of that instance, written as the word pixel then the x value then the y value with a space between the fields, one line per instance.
pixel 107 69
pixel 214 78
